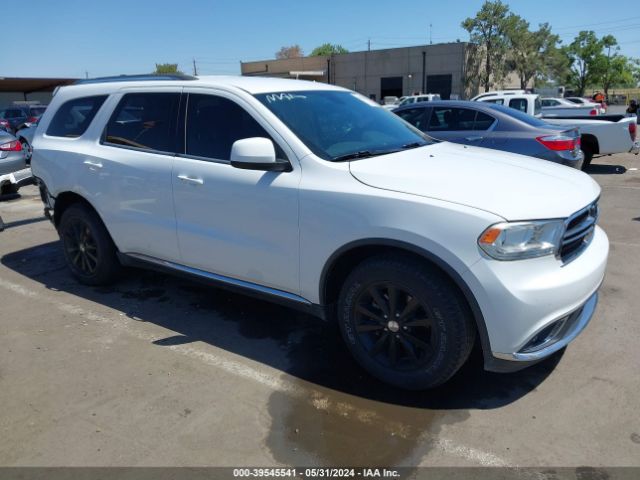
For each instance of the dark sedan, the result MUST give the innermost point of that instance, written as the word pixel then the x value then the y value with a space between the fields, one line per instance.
pixel 495 126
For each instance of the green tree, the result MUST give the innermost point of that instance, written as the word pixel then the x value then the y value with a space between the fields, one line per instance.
pixel 614 69
pixel 166 68
pixel 328 49
pixel 529 51
pixel 292 51
pixel 586 59
pixel 487 29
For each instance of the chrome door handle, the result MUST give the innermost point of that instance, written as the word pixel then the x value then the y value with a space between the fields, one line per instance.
pixel 194 181
pixel 92 164
pixel 473 139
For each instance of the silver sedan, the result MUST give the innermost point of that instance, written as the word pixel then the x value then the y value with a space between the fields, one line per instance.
pixel 13 164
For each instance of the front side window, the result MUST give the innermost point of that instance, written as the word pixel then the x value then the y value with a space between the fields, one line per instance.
pixel 74 117
pixel 144 120
pixel 215 123
pixel 416 117
pixel 339 125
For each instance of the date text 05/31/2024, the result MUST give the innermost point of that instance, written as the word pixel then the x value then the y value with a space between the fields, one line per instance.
pixel 315 472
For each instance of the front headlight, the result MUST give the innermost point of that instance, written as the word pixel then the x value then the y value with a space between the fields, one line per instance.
pixel 519 240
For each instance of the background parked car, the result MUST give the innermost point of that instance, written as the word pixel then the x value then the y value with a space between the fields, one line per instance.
pixel 495 126
pixel 13 168
pixel 427 97
pixel 585 102
pixel 18 115
pixel 25 137
pixel 552 107
pixel 5 125
pixel 599 134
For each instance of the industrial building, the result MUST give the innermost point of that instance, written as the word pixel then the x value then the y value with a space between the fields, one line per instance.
pixel 29 89
pixel 441 68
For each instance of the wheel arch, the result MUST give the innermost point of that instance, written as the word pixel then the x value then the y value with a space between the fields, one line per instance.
pixel 343 260
pixel 65 199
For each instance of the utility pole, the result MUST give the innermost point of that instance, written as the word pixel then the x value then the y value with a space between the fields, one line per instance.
pixel 86 74
pixel 424 73
pixel 195 69
pixel 430 34
pixel 369 45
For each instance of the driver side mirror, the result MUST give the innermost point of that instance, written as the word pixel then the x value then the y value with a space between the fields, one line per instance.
pixel 257 153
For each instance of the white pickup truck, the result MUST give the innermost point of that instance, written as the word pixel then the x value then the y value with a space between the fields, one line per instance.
pixel 599 135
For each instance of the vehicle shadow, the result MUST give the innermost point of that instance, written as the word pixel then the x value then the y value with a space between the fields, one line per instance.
pixel 295 343
pixel 605 169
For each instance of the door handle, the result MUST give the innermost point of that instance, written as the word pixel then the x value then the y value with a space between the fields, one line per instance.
pixel 473 139
pixel 193 181
pixel 91 164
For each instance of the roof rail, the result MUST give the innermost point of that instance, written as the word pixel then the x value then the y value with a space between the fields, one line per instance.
pixel 140 77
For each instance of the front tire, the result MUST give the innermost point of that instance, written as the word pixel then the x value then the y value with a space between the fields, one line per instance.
pixel 405 322
pixel 588 156
pixel 88 249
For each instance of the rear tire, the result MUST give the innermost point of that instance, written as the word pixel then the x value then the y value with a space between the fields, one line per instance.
pixel 405 322
pixel 89 251
pixel 9 188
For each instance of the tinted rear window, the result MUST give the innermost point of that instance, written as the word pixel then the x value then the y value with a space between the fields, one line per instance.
pixel 146 121
pixel 74 117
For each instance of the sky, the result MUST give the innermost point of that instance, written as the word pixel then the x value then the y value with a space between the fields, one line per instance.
pixel 75 38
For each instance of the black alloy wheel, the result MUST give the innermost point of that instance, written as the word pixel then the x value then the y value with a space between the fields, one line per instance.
pixel 89 250
pixel 395 327
pixel 81 247
pixel 405 321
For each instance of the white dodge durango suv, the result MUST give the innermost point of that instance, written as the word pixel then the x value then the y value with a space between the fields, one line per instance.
pixel 314 196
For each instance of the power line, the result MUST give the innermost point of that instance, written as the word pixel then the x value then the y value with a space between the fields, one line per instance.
pixel 597 24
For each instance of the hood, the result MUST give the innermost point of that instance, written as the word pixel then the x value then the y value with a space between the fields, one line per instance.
pixel 515 187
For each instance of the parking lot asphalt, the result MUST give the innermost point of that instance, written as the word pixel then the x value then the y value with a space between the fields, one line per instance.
pixel 159 371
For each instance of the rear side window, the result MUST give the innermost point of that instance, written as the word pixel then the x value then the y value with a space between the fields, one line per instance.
pixel 74 117
pixel 497 101
pixel 483 121
pixel 215 123
pixel 146 121
pixel 537 107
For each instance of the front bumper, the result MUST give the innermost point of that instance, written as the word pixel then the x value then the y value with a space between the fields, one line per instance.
pixel 577 320
pixel 523 299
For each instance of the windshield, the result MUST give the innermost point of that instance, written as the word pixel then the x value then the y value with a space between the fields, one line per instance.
pixel 340 125
pixel 518 115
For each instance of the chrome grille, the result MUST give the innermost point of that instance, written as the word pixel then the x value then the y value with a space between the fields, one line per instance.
pixel 578 232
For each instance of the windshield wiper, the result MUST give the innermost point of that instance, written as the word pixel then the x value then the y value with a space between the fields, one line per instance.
pixel 351 156
pixel 374 153
pixel 413 145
